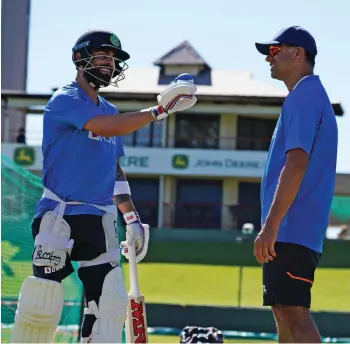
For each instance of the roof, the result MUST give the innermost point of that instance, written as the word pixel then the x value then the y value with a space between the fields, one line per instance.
pixel 183 54
pixel 23 99
pixel 227 85
pixel 223 83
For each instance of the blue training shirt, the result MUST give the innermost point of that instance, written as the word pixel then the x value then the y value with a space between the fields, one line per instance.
pixel 78 165
pixel 307 121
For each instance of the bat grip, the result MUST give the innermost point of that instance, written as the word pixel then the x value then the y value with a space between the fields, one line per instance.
pixel 134 281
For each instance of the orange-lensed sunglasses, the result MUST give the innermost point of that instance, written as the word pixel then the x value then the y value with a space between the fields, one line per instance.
pixel 274 49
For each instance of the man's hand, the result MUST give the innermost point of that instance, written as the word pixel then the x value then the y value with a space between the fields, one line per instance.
pixel 178 96
pixel 136 233
pixel 264 244
pixel 288 186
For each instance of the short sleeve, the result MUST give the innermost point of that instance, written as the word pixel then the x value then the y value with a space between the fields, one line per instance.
pixel 71 109
pixel 119 139
pixel 301 118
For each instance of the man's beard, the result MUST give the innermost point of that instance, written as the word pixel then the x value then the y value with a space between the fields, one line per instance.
pixel 98 79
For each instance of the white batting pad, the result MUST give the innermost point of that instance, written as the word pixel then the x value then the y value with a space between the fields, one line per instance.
pixel 38 312
pixel 51 248
pixel 112 310
pixel 113 254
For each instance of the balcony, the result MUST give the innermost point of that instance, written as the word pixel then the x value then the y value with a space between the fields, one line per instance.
pixel 199 215
pixel 144 138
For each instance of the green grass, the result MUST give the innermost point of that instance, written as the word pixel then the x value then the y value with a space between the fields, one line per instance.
pixel 197 285
pixel 175 339
pixel 204 285
pixel 61 338
pixel 218 285
pixel 11 285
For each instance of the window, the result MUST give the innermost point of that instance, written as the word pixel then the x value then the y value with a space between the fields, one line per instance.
pixel 157 133
pixel 254 133
pixel 249 210
pixel 197 131
pixel 145 196
pixel 143 136
pixel 198 204
pixel 148 136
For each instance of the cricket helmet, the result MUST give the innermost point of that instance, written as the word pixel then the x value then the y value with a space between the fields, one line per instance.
pixel 82 56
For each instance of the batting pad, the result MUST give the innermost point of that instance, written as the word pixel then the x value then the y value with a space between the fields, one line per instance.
pixel 38 312
pixel 112 310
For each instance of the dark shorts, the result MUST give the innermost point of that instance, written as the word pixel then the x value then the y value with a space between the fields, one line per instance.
pixel 89 242
pixel 288 279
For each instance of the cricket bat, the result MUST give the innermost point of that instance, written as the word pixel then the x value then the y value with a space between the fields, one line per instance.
pixel 136 321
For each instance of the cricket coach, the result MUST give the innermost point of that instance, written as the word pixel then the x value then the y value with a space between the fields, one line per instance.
pixel 297 185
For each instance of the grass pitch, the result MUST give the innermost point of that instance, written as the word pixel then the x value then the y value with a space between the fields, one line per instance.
pixel 219 285
pixel 61 338
pixel 175 339
pixel 187 284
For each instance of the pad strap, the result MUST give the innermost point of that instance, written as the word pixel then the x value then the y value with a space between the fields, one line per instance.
pixel 121 188
pixel 59 210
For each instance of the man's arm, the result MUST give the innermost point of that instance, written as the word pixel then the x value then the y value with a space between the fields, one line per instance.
pixel 178 96
pixel 123 200
pixel 122 124
pixel 300 119
pixel 288 186
pixel 300 124
pixel 136 232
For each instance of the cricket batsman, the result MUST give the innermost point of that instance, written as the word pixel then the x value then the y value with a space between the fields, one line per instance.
pixel 83 186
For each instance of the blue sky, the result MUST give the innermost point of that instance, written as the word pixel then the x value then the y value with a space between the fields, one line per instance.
pixel 222 31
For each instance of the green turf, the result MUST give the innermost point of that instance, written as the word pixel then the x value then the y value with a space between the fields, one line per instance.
pixel 175 339
pixel 61 338
pixel 204 285
pixel 11 284
pixel 218 285
pixel 198 285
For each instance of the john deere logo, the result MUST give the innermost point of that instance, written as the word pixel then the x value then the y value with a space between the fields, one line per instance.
pixel 180 161
pixel 115 40
pixel 24 156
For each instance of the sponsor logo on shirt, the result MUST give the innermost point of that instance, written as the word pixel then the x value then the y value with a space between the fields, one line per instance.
pixel 96 137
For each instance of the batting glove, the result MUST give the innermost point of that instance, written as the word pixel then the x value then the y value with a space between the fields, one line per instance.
pixel 178 96
pixel 136 233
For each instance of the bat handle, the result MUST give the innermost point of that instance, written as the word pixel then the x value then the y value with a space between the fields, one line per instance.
pixel 134 281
